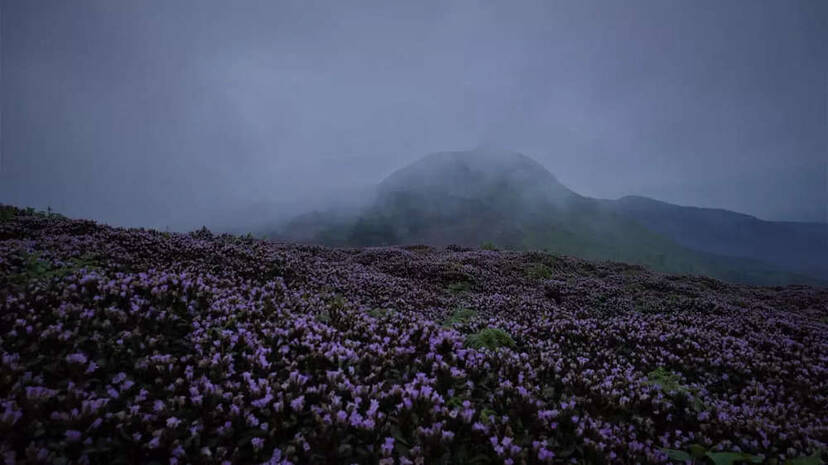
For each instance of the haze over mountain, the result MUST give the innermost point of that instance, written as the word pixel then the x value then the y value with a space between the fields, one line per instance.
pixel 506 198
pixel 178 114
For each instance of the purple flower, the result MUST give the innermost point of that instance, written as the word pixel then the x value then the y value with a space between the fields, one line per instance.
pixel 297 403
pixel 257 443
pixel 77 358
pixel 388 446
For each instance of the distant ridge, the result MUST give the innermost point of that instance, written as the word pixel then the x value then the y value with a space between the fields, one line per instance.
pixel 795 246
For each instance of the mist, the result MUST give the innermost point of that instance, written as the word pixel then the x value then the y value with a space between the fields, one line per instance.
pixel 174 115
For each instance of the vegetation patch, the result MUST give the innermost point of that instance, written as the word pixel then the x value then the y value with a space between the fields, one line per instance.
pixel 490 338
pixel 382 312
pixel 38 269
pixel 460 315
pixel 666 380
pixel 539 271
pixel 459 286
pixel 698 454
pixel 7 213
pixel 488 246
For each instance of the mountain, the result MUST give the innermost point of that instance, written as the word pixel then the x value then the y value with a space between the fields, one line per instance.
pixel 472 197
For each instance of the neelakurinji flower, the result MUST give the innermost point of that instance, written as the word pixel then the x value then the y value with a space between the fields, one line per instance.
pixel 215 348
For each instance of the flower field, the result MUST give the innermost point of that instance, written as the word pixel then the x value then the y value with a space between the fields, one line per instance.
pixel 136 346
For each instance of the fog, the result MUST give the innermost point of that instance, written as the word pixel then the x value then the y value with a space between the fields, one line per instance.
pixel 174 114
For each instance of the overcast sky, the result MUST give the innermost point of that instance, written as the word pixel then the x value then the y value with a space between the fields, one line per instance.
pixel 181 113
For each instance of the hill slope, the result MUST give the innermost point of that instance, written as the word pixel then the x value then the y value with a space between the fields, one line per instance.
pixel 799 247
pixel 472 197
pixel 138 346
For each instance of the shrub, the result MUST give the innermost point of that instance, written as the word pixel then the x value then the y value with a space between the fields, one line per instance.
pixel 381 312
pixel 460 315
pixel 666 380
pixel 490 338
pixel 488 246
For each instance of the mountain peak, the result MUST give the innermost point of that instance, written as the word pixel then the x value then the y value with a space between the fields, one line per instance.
pixel 474 174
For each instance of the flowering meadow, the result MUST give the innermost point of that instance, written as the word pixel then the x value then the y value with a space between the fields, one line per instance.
pixel 137 346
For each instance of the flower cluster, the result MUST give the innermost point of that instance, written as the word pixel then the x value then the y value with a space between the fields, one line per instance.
pixel 141 346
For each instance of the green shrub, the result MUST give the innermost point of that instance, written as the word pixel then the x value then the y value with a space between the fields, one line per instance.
pixel 488 246
pixel 381 312
pixel 490 338
pixel 666 380
pixel 334 313
pixel 460 315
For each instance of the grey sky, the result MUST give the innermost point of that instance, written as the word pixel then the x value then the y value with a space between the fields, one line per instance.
pixel 182 113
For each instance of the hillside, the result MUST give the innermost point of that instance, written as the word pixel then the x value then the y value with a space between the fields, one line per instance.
pixel 473 197
pixel 136 346
pixel 797 247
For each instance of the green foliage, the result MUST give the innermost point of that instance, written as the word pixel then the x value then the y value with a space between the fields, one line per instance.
pixel 488 246
pixel 381 312
pixel 678 455
pixel 455 402
pixel 539 271
pixel 487 413
pixel 666 380
pixel 813 459
pixel 36 268
pixel 459 286
pixel 729 458
pixel 697 453
pixel 461 315
pixel 7 213
pixel 335 312
pixel 669 382
pixel 490 338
